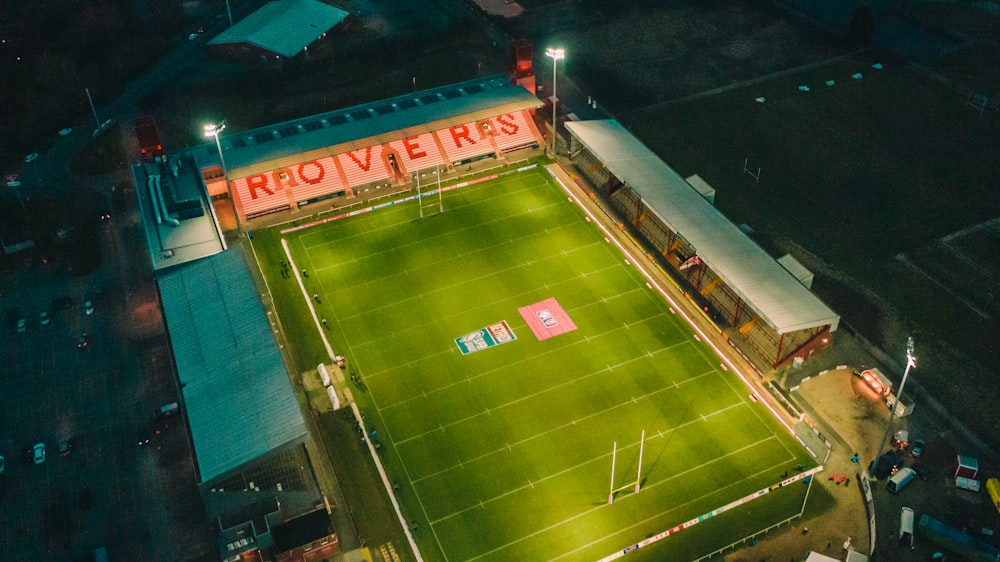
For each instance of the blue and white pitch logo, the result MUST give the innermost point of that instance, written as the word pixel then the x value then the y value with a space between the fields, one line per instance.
pixel 492 335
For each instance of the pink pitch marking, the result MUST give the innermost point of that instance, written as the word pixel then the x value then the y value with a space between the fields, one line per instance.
pixel 533 313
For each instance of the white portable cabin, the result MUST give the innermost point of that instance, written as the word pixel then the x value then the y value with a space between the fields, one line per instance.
pixel 906 526
pixel 899 480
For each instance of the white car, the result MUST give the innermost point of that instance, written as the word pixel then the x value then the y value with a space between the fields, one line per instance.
pixel 192 37
pixel 43 318
pixel 65 132
pixel 31 158
pixel 39 453
pixel 22 326
pixel 88 308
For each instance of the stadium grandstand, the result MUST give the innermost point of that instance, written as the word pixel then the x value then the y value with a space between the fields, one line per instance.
pixel 245 425
pixel 278 31
pixel 764 309
pixel 379 145
pixel 244 422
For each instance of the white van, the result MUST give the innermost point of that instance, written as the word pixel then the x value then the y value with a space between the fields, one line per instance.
pixel 906 526
pixel 899 480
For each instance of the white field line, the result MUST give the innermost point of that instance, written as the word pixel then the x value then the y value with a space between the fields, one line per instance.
pixel 525 397
pixel 970 261
pixel 661 433
pixel 553 170
pixel 309 302
pixel 933 279
pixel 756 413
pixel 607 506
pixel 648 520
pixel 461 257
pixel 508 366
pixel 450 233
pixel 518 298
pixel 450 348
pixel 403 209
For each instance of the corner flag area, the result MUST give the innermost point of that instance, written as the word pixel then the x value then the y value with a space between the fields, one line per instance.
pixel 509 453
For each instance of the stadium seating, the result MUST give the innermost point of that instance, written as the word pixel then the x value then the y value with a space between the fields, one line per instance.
pixel 363 166
pixel 464 142
pixel 258 194
pixel 417 153
pixel 263 193
pixel 514 130
pixel 316 179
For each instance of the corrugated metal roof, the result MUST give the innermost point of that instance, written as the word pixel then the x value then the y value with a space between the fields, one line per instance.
pixel 354 128
pixel 237 394
pixel 780 300
pixel 284 27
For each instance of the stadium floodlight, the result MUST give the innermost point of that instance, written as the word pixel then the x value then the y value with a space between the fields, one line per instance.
pixel 213 130
pixel 557 55
pixel 911 361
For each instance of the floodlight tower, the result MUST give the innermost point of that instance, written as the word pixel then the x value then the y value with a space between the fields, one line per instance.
pixel 213 130
pixel 556 55
pixel 911 361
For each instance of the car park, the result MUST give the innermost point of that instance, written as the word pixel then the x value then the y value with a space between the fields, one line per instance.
pixel 38 453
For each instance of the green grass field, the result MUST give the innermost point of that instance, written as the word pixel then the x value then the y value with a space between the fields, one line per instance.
pixel 506 453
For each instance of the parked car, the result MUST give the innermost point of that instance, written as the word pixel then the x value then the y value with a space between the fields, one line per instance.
pixel 22 326
pixel 65 446
pixel 918 447
pixel 38 452
pixel 31 158
pixel 43 318
pixel 3 464
pixel 901 439
pixel 65 132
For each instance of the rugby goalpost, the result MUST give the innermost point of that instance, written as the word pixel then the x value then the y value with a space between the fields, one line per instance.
pixel 420 199
pixel 638 476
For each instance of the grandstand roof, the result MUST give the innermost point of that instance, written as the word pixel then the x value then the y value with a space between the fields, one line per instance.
pixel 283 27
pixel 354 128
pixel 235 388
pixel 780 300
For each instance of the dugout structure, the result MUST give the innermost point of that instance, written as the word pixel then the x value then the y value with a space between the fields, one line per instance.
pixel 761 307
pixel 366 148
